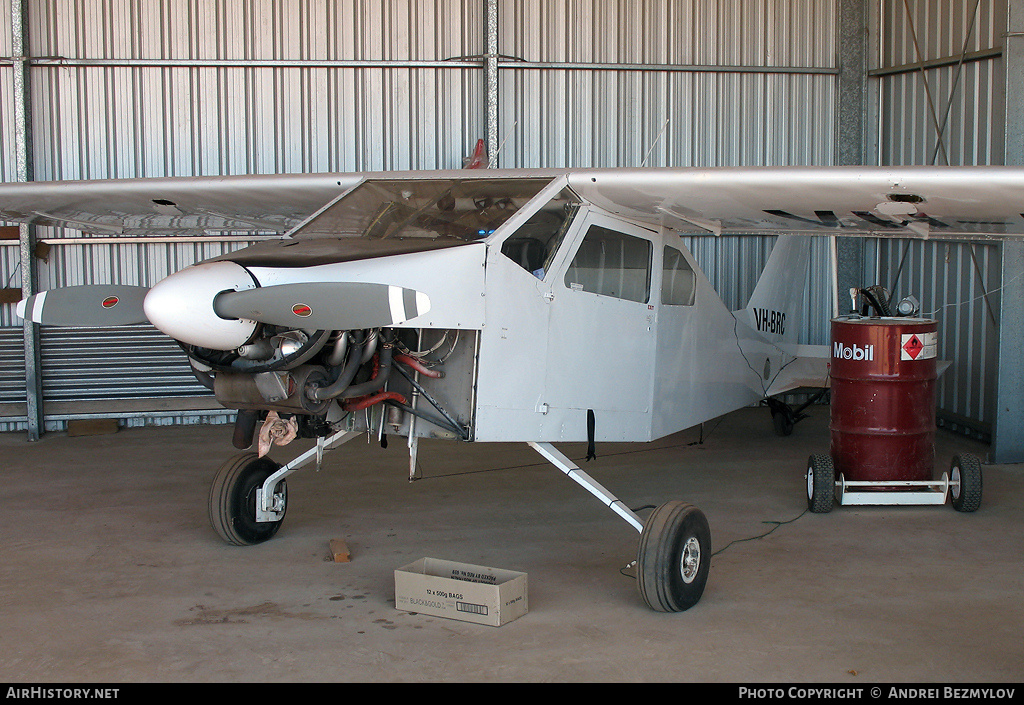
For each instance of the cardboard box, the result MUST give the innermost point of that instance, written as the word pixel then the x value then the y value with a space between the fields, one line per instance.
pixel 470 593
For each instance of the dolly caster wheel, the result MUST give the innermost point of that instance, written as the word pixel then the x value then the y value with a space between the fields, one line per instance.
pixel 821 484
pixel 965 482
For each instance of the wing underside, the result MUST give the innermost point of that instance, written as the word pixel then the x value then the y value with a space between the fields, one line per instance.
pixel 905 202
pixel 185 205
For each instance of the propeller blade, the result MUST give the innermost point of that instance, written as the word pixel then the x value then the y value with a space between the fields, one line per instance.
pixel 87 306
pixel 324 305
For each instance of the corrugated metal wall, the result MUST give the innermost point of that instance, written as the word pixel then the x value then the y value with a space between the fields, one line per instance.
pixel 939 68
pixel 254 86
pixel 607 84
pixel 121 88
pixel 12 373
pixel 7 161
pixel 626 83
pixel 958 285
pixel 939 72
pixel 12 352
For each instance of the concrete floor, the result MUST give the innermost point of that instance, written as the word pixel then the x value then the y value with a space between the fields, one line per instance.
pixel 111 573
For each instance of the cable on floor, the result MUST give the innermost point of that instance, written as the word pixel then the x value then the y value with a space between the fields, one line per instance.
pixel 761 536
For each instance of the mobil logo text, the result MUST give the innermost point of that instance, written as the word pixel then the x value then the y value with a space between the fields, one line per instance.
pixel 842 351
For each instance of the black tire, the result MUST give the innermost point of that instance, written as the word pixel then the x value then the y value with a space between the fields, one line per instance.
pixel 965 482
pixel 821 484
pixel 674 557
pixel 782 423
pixel 232 504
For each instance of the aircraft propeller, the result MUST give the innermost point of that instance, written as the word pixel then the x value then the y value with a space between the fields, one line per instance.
pixel 88 305
pixel 179 310
pixel 324 305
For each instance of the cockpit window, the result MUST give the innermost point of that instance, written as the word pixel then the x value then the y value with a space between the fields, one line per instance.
pixel 678 282
pixel 456 210
pixel 610 263
pixel 533 245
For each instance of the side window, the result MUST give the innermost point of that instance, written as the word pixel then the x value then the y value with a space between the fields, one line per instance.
pixel 678 282
pixel 610 263
pixel 533 245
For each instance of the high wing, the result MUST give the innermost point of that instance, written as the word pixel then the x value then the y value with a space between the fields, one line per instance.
pixel 931 202
pixel 271 203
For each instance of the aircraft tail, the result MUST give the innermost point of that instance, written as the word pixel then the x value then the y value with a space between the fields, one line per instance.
pixel 775 318
pixel 775 307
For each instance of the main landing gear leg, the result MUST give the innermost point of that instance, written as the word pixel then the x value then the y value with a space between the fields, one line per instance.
pixel 249 495
pixel 674 554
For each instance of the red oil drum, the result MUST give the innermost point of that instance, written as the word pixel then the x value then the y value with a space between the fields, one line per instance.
pixel 883 398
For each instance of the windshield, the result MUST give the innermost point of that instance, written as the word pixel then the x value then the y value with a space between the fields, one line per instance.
pixel 459 210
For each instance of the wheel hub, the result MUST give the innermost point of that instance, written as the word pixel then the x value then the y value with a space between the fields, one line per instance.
pixel 689 562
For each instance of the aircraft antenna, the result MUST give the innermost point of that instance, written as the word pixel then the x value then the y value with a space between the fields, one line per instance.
pixel 655 143
pixel 494 158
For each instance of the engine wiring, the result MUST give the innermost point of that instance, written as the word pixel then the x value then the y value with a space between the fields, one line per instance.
pixel 420 354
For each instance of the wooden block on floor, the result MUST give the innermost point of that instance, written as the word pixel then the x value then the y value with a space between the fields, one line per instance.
pixel 92 427
pixel 339 550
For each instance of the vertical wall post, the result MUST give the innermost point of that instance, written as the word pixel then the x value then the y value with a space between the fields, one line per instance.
pixel 1008 427
pixel 851 94
pixel 851 112
pixel 23 158
pixel 491 81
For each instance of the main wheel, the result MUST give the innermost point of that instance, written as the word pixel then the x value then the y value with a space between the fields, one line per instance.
pixel 965 482
pixel 232 502
pixel 782 422
pixel 674 557
pixel 821 484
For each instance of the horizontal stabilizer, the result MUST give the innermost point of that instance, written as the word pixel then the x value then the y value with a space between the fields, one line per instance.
pixel 86 306
pixel 324 305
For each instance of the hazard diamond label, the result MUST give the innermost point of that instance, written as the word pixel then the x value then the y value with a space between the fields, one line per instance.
pixel 918 346
pixel 913 347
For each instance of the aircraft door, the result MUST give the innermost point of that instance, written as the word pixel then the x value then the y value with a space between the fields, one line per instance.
pixel 601 334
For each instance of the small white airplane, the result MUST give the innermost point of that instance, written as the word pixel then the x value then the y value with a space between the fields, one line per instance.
pixel 492 305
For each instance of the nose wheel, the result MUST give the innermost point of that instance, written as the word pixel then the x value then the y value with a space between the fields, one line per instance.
pixel 233 496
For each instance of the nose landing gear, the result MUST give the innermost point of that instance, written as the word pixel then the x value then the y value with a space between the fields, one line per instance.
pixel 233 498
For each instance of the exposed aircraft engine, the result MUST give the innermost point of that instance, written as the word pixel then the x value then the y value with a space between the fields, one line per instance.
pixel 319 376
